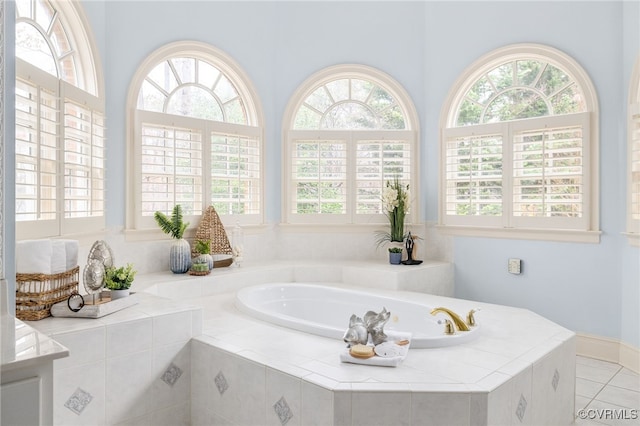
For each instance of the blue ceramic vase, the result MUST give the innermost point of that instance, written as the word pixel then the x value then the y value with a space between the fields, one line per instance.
pixel 180 256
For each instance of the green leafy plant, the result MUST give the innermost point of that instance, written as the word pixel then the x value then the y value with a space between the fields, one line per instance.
pixel 203 246
pixel 174 225
pixel 395 250
pixel 119 278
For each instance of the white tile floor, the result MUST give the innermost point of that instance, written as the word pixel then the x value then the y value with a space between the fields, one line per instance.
pixel 606 393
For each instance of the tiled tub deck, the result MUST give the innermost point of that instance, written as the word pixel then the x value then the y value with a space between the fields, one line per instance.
pixel 241 371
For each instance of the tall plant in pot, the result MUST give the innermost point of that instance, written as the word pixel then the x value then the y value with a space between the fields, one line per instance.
pixel 180 254
pixel 395 205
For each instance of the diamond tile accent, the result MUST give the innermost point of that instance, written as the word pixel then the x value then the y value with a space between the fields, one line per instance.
pixel 221 383
pixel 283 410
pixel 522 407
pixel 555 380
pixel 78 401
pixel 172 374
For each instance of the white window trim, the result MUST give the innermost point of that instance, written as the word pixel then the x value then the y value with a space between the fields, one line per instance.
pixel 207 128
pixel 351 138
pixel 61 226
pixel 88 56
pixel 302 222
pixel 138 228
pixel 448 116
pixel 75 21
pixel 633 111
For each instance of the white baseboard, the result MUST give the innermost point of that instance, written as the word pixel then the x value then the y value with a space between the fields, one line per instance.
pixel 608 349
pixel 630 357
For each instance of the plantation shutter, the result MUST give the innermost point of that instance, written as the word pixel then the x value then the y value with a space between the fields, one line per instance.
pixel 537 180
pixel 634 184
pixel 474 160
pixel 379 161
pixel 37 115
pixel 549 172
pixel 171 168
pixel 235 174
pixel 319 176
pixel 84 157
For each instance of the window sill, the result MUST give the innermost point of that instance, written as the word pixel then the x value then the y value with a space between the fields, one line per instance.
pixel 557 235
pixel 347 228
pixel 84 238
pixel 155 234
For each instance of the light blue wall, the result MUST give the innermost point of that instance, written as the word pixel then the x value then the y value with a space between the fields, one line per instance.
pixel 590 288
pixel 278 44
pixel 630 256
pixel 576 285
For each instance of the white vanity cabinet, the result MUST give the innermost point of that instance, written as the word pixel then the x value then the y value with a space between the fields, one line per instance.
pixel 26 390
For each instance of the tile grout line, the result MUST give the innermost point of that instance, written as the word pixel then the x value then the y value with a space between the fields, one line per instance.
pixel 604 385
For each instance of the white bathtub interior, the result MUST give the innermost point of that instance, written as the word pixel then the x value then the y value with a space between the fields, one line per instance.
pixel 325 310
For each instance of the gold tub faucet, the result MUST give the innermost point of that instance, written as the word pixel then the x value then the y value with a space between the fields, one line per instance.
pixel 471 321
pixel 459 323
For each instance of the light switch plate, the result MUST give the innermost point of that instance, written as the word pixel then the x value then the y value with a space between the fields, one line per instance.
pixel 515 266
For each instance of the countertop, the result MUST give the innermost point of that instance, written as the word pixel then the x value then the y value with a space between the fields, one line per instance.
pixel 23 346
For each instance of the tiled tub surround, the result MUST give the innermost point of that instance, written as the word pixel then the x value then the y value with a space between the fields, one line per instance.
pixel 131 367
pixel 520 370
pixel 185 355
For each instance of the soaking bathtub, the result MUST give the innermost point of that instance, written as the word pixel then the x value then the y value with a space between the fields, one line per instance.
pixel 513 358
pixel 325 310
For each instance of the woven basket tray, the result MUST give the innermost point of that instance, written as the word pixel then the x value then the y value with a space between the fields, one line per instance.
pixel 36 293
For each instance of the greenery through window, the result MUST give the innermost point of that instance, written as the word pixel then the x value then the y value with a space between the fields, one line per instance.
pixel 517 90
pixel 350 135
pixel 349 103
pixel 198 140
pixel 518 146
pixel 60 125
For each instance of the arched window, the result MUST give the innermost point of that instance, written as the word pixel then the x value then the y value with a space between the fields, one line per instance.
pixel 348 130
pixel 633 185
pixel 519 147
pixel 59 122
pixel 197 137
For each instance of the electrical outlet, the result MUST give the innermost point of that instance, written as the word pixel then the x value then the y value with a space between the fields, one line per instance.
pixel 514 266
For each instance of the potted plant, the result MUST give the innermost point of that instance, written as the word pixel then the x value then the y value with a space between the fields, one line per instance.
pixel 395 255
pixel 119 280
pixel 395 205
pixel 204 248
pixel 180 255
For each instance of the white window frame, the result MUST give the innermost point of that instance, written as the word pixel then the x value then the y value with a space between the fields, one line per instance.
pixel 351 137
pixel 90 95
pixel 139 227
pixel 633 155
pixel 584 229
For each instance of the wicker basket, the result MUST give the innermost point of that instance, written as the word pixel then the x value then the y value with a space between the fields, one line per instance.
pixel 212 229
pixel 36 293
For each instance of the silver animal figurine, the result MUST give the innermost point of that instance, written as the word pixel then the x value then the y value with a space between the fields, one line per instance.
pixel 357 332
pixel 375 323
